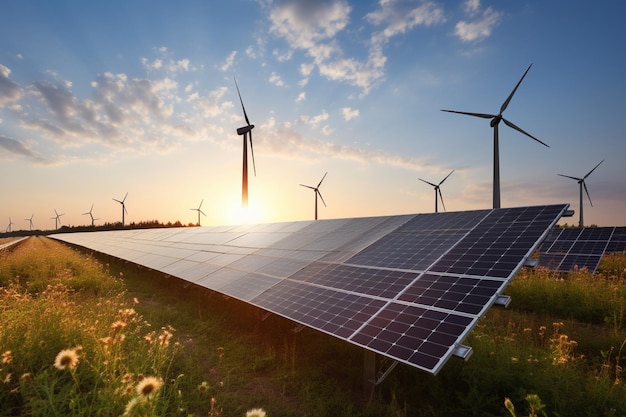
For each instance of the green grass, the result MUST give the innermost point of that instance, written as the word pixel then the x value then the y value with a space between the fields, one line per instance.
pixel 562 341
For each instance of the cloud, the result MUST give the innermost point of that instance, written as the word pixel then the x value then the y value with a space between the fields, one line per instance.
pixel 283 140
pixel 301 97
pixel 480 29
pixel 472 6
pixel 276 80
pixel 229 61
pixel 349 114
pixel 10 91
pixel 315 120
pixel 314 27
pixel 19 148
pixel 212 105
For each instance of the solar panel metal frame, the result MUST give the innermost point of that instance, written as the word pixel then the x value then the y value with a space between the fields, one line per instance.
pixel 355 279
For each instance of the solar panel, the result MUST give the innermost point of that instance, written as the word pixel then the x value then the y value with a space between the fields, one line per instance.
pixel 567 249
pixel 408 287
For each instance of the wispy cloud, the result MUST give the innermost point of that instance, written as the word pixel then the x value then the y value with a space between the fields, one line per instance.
pixel 285 141
pixel 314 27
pixel 230 59
pixel 16 147
pixel 480 27
pixel 10 91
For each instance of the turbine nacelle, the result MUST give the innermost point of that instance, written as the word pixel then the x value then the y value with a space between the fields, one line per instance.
pixel 243 130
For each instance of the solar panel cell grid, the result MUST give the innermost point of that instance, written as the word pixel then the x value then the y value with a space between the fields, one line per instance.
pixel 409 287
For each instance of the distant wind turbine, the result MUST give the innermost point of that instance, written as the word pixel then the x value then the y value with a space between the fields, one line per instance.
pixel 316 191
pixel 244 131
pixel 582 184
pixel 123 207
pixel 31 221
pixel 90 212
pixel 199 210
pixel 57 219
pixel 438 190
pixel 10 224
pixel 495 121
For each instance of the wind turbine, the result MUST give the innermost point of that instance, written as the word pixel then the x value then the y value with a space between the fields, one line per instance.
pixel 10 224
pixel 316 190
pixel 582 184
pixel 495 121
pixel 31 221
pixel 244 131
pixel 438 190
pixel 123 207
pixel 199 210
pixel 57 219
pixel 90 212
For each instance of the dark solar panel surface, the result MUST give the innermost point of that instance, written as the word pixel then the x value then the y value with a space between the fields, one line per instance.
pixel 567 249
pixel 409 287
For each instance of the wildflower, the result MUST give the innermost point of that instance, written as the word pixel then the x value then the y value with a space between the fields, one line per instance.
pixel 131 405
pixel 26 377
pixel 135 300
pixel 256 412
pixel 203 387
pixel 514 359
pixel 148 386
pixel 7 358
pixel 509 405
pixel 67 358
pixel 7 378
pixel 118 325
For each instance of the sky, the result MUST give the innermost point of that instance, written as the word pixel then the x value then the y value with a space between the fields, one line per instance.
pixel 103 99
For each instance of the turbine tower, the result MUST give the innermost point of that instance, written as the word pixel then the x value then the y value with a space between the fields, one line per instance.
pixel 199 210
pixel 123 207
pixel 582 184
pixel 31 221
pixel 244 132
pixel 316 191
pixel 438 190
pixel 495 121
pixel 90 212
pixel 9 226
pixel 57 219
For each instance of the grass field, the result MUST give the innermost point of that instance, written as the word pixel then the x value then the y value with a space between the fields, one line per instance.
pixel 85 335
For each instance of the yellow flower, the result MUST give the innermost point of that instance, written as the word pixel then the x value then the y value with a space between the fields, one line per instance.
pixel 67 359
pixel 256 412
pixel 148 386
pixel 7 357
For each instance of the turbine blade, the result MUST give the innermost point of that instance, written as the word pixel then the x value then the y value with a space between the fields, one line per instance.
pixel 202 213
pixel 320 194
pixel 252 151
pixel 594 168
pixel 308 186
pixel 427 182
pixel 587 191
pixel 320 183
pixel 241 101
pixel 509 124
pixel 445 178
pixel 506 102
pixel 125 197
pixel 567 176
pixel 441 197
pixel 200 206
pixel 117 200
pixel 483 115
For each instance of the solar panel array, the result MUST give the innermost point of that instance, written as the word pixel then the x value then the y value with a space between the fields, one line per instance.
pixel 408 287
pixel 567 249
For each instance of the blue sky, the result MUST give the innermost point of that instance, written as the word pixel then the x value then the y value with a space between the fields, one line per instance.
pixel 98 99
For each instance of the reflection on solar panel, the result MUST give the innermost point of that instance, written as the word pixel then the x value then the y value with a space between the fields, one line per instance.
pixel 566 249
pixel 408 287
